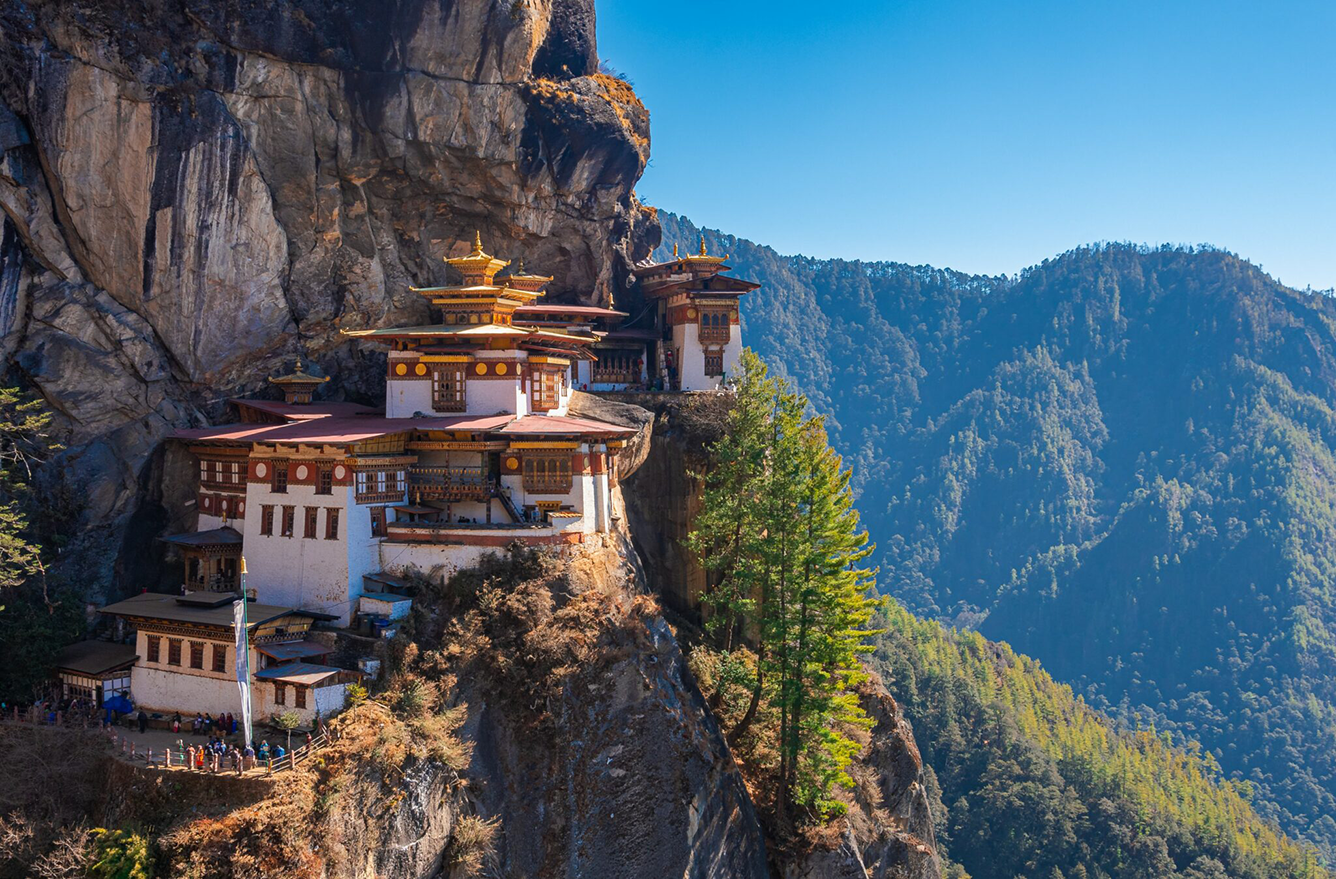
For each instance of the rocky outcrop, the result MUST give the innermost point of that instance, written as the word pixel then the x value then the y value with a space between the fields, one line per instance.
pixel 196 191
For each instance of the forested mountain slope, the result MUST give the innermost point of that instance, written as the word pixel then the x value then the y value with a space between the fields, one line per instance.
pixel 1120 462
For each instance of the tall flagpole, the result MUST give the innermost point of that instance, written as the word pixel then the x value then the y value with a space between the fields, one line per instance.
pixel 241 622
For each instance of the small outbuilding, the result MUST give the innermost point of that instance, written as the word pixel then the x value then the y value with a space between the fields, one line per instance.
pixel 95 671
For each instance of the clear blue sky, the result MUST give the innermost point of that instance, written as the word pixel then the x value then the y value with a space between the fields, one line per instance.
pixel 988 136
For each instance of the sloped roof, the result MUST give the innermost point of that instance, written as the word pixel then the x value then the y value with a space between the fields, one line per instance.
pixel 547 425
pixel 304 673
pixel 179 609
pixel 95 657
pixel 225 536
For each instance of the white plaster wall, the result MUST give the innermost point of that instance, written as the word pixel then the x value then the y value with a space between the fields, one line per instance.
pixel 403 398
pixel 327 699
pixel 330 700
pixel 363 549
pixel 156 689
pixel 398 557
pixel 208 523
pixel 494 396
pixel 310 574
pixel 584 374
pixel 732 353
pixel 603 504
pixel 394 610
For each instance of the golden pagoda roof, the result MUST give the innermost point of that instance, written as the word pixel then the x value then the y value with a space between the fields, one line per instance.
pixel 703 256
pixel 478 261
pixel 298 377
pixel 524 281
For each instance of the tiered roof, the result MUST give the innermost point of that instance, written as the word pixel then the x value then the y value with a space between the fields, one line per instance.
pixel 482 312
pixel 696 272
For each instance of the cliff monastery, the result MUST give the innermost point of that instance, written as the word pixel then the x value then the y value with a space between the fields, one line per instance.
pixel 314 511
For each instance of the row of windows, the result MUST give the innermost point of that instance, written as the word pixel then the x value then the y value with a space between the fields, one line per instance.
pixel 324 478
pixel 449 389
pixel 378 482
pixel 310 521
pixel 221 472
pixel 714 326
pixel 547 474
pixel 281 695
pixel 174 646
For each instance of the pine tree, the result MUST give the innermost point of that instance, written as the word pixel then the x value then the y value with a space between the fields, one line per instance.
pixel 779 529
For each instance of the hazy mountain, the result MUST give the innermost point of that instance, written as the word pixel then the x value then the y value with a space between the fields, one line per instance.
pixel 1120 461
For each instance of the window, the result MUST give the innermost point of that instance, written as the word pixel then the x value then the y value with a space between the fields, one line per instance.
pixel 219 658
pixel 279 484
pixel 547 474
pixel 267 520
pixel 714 362
pixel 546 389
pixel 280 694
pixel 447 388
pixel 196 655
pixel 331 524
pixel 301 697
pixel 154 648
pixel 324 480
pixel 289 520
pixel 714 326
pixel 312 519
pixel 173 651
pixel 377 521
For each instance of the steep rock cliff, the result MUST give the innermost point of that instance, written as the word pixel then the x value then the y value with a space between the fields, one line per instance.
pixel 196 191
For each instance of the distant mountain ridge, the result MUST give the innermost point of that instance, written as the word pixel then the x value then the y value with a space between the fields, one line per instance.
pixel 1120 461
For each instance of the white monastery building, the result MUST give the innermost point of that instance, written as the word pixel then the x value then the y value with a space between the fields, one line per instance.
pixel 475 449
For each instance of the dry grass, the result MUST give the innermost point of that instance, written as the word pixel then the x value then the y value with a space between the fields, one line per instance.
pixel 472 842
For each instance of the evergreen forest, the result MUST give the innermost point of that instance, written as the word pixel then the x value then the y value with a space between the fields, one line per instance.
pixel 1120 462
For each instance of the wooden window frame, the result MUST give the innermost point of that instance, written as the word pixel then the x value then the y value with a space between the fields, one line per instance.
pixel 324 479
pixel 331 523
pixel 197 655
pixel 545 389
pixel 449 388
pixel 174 652
pixel 220 658
pixel 278 481
pixel 714 363
pixel 289 523
pixel 715 325
pixel 311 522
pixel 280 693
pixel 378 522
pixel 154 649
pixel 299 696
pixel 267 520
pixel 548 474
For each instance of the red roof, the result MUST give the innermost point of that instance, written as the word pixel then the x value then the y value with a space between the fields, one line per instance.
pixel 563 425
pixel 307 411
pixel 557 308
pixel 337 430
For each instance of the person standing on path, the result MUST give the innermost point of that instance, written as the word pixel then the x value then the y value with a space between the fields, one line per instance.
pixel 143 722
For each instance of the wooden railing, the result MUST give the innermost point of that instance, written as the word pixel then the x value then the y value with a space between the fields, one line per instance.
pixel 448 482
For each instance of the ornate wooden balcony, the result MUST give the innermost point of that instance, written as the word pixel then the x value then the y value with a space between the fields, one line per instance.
pixel 449 483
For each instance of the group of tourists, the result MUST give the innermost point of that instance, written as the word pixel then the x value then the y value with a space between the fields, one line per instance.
pixel 208 724
pixel 217 756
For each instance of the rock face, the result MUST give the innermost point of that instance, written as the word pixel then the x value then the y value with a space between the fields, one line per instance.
pixel 196 191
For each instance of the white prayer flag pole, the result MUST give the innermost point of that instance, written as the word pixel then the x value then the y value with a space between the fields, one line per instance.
pixel 240 624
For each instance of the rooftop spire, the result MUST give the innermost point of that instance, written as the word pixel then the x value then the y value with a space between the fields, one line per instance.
pixel 674 250
pixel 702 245
pixel 477 243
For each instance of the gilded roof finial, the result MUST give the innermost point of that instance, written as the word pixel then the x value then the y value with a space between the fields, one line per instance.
pixel 702 246
pixel 674 250
pixel 477 243
pixel 519 269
